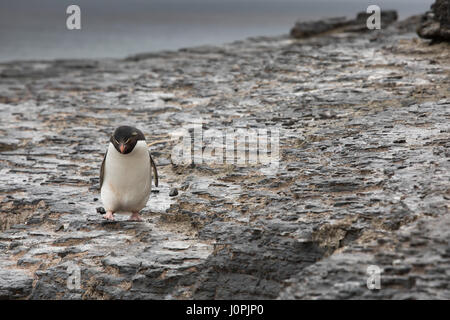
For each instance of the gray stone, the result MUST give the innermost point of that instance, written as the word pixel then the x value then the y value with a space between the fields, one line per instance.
pixel 173 192
pixel 14 284
pixel 435 24
pixel 305 29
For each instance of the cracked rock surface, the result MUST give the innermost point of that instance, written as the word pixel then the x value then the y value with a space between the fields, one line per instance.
pixel 363 176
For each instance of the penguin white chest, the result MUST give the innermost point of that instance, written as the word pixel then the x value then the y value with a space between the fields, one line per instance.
pixel 127 179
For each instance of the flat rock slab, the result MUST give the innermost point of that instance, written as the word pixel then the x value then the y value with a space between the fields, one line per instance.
pixel 363 177
pixel 14 284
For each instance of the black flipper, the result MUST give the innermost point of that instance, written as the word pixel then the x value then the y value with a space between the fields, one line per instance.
pixel 102 170
pixel 155 172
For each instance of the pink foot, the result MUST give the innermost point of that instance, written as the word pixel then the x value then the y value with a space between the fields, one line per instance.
pixel 109 216
pixel 135 217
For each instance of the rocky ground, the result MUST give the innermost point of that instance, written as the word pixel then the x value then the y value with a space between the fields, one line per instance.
pixel 363 178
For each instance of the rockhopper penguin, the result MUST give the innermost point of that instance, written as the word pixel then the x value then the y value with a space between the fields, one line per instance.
pixel 126 173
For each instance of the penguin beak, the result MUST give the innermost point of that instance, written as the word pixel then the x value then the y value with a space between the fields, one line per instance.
pixel 122 148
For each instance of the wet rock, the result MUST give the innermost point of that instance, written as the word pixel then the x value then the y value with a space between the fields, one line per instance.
pixel 312 28
pixel 411 270
pixel 173 192
pixel 14 284
pixel 435 24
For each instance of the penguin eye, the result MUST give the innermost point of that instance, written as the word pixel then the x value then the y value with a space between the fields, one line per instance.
pixel 128 140
pixel 116 140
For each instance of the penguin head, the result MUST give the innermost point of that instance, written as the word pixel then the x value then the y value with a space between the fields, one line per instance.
pixel 125 138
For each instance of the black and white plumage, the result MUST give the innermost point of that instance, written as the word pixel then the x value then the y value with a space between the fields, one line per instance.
pixel 126 173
